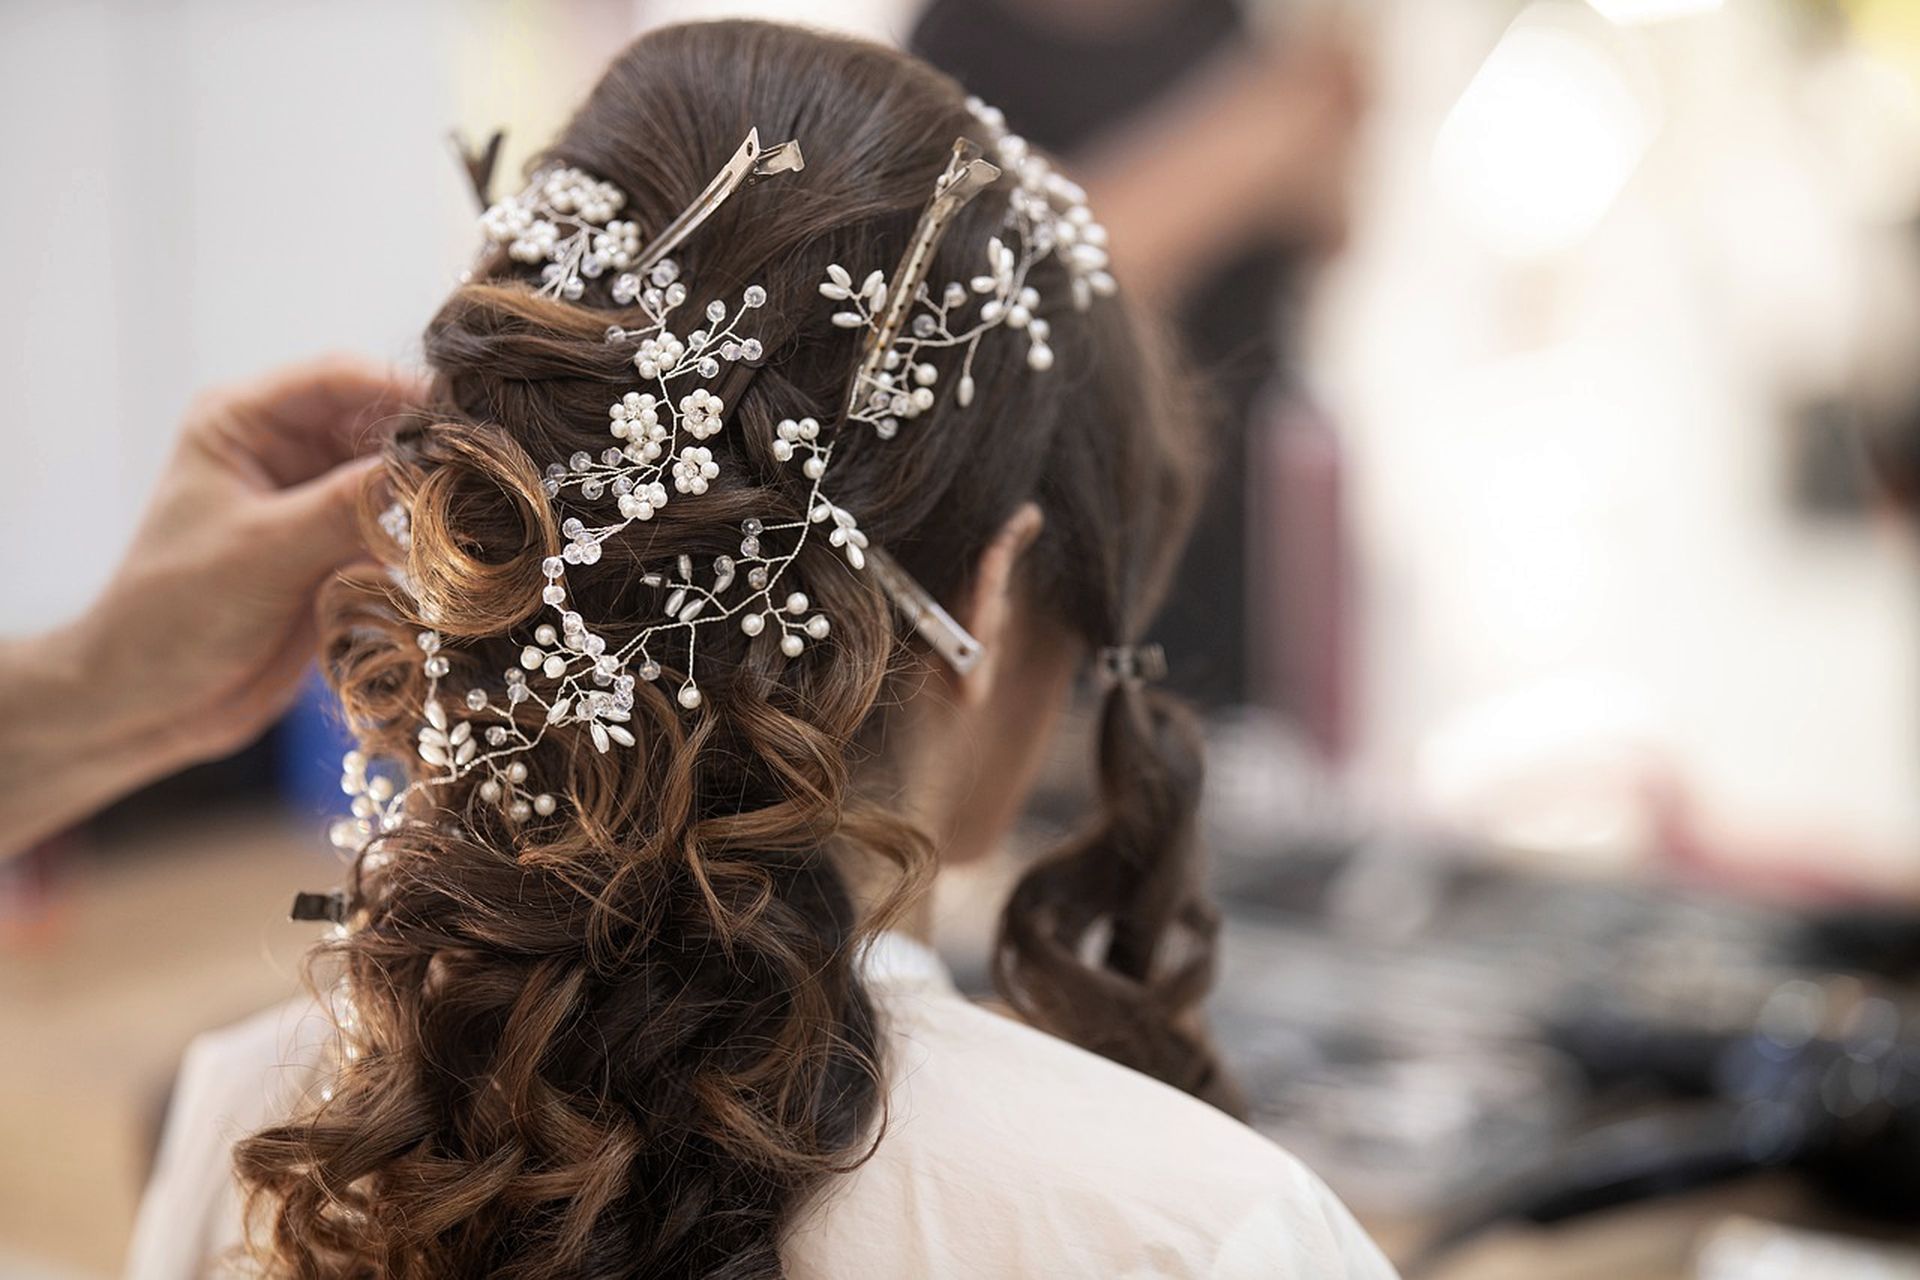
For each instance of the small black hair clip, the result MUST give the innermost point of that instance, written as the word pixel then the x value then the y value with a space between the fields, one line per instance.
pixel 331 907
pixel 478 162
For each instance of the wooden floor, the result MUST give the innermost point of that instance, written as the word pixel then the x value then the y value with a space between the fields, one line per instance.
pixel 139 944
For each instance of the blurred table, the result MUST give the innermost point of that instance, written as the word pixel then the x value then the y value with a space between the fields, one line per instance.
pixel 157 934
pixel 1656 1241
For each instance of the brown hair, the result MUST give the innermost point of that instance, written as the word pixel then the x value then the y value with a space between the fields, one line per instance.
pixel 627 1039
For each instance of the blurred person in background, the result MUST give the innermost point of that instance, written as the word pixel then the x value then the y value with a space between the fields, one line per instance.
pixel 1219 152
pixel 649 1001
pixel 201 638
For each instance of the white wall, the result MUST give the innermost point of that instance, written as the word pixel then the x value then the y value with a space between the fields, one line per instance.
pixel 197 190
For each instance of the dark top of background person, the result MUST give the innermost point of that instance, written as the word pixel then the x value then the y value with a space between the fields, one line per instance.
pixel 1064 88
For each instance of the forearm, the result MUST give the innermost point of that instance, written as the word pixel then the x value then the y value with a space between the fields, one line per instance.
pixel 68 749
pixel 200 638
pixel 1191 182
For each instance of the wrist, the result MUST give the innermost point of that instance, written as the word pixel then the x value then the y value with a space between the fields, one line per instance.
pixel 69 747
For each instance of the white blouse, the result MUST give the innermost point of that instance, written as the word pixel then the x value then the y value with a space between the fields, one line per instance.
pixel 1007 1153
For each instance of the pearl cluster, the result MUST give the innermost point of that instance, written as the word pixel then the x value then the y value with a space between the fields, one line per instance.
pixel 565 220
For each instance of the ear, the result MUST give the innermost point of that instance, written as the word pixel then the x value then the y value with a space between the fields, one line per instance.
pixel 987 610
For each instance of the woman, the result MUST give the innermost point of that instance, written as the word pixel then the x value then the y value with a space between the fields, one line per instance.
pixel 629 981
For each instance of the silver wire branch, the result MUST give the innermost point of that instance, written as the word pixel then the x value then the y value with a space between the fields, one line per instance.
pixel 569 675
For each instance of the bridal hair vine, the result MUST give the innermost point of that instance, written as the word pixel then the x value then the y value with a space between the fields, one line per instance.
pixel 1047 215
pixel 570 676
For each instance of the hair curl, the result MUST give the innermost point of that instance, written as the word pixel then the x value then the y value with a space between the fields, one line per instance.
pixel 627 1039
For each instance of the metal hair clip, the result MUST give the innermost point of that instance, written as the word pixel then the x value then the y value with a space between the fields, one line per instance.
pixel 936 626
pixel 965 177
pixel 749 162
pixel 330 906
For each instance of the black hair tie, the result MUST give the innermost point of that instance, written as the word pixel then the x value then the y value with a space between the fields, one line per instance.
pixel 1134 664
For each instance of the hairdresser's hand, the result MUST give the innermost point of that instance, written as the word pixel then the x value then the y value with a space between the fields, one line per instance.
pixel 200 638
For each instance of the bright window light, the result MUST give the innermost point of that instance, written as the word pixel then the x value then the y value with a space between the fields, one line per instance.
pixel 1544 139
pixel 1628 12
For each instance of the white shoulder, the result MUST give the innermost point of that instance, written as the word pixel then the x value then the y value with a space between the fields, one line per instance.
pixel 232 1082
pixel 1008 1151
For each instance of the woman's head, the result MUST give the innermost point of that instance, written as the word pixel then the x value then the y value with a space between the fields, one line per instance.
pixel 625 1036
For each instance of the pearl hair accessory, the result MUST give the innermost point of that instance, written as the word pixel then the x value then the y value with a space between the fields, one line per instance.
pixel 573 676
pixel 565 220
pixel 1047 216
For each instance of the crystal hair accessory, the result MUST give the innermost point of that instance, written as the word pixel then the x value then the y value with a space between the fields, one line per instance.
pixel 748 164
pixel 570 677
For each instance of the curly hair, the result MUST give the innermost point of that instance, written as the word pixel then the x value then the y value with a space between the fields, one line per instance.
pixel 629 1038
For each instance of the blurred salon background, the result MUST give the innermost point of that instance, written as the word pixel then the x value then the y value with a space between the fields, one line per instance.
pixel 1555 610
